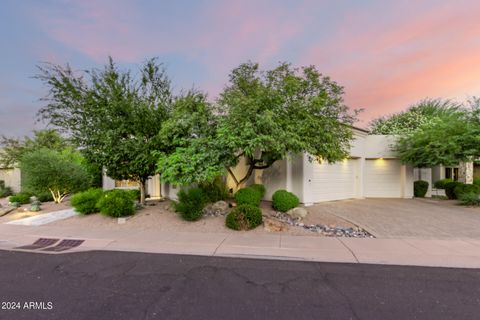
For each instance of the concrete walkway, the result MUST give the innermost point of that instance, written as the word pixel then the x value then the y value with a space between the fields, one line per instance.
pixel 463 253
pixel 45 218
pixel 408 218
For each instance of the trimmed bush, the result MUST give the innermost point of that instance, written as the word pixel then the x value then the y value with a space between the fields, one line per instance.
pixel 462 189
pixel 470 199
pixel 86 202
pixel 215 191
pixel 191 203
pixel 284 200
pixel 20 198
pixel 450 189
pixel 244 217
pixel 260 188
pixel 420 188
pixel 440 184
pixel 116 203
pixel 248 196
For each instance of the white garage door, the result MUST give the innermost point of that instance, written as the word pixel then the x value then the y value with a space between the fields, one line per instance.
pixel 382 178
pixel 333 181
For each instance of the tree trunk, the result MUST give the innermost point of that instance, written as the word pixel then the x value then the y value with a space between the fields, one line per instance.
pixel 141 184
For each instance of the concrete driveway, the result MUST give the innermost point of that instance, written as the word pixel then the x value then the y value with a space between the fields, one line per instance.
pixel 408 218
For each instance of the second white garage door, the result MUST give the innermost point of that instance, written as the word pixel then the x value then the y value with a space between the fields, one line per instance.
pixel 382 178
pixel 333 181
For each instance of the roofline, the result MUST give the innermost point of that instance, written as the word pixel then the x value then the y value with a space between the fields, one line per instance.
pixel 359 129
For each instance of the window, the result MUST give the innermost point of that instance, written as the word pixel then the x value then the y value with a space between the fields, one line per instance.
pixel 451 173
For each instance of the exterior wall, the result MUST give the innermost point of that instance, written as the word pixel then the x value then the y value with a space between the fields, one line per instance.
pixel 169 191
pixel 424 174
pixel 466 172
pixel 239 171
pixel 358 144
pixel 273 178
pixel 12 178
pixel 296 185
pixel 437 173
pixel 476 171
pixel 379 146
pixel 154 187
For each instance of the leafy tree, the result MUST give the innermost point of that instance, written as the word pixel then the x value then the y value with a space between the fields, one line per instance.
pixel 262 116
pixel 113 115
pixel 13 148
pixel 45 170
pixel 271 114
pixel 422 113
pixel 194 153
pixel 445 141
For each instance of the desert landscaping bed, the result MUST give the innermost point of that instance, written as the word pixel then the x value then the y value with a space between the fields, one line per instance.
pixel 159 215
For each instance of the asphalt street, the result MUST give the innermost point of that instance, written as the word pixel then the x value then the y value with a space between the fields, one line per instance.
pixel 122 285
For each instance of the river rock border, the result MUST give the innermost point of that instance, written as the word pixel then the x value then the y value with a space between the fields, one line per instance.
pixel 327 231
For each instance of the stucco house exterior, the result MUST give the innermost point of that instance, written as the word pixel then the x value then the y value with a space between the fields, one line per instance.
pixel 371 170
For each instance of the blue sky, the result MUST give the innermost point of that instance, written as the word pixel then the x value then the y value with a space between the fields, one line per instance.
pixel 387 54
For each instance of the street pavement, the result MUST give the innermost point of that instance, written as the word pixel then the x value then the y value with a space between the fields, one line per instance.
pixel 125 285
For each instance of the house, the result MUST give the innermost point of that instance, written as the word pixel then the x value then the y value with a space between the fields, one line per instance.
pixel 371 170
pixel 11 177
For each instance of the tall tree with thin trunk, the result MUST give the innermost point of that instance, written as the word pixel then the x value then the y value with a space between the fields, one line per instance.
pixel 113 115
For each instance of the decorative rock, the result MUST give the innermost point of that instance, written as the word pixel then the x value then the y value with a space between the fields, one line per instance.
pixel 219 208
pixel 327 231
pixel 271 225
pixel 297 213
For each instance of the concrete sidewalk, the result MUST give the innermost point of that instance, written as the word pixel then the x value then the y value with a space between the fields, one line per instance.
pixel 461 253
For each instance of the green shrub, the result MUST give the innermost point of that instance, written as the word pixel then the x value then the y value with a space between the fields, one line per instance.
pixel 44 196
pixel 470 199
pixel 116 203
pixel 284 200
pixel 440 184
pixel 5 192
pixel 86 202
pixel 134 194
pixel 44 170
pixel 190 204
pixel 215 191
pixel 476 181
pixel 462 189
pixel 260 188
pixel 420 188
pixel 21 198
pixel 450 189
pixel 248 196
pixel 244 217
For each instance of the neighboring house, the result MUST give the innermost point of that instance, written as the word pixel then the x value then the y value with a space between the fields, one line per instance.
pixel 152 189
pixel 371 170
pixel 12 178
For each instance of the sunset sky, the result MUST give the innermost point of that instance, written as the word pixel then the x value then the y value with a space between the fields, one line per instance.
pixel 387 54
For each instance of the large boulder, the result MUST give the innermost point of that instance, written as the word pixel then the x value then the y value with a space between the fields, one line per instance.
pixel 219 208
pixel 297 213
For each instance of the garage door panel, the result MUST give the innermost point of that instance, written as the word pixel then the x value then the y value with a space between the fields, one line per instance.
pixel 333 181
pixel 382 178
